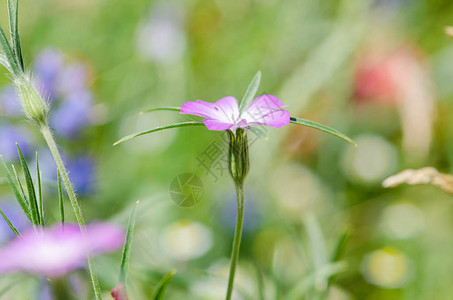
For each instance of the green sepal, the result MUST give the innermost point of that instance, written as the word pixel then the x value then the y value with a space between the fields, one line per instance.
pixel 176 125
pixel 162 286
pixel 322 127
pixel 251 92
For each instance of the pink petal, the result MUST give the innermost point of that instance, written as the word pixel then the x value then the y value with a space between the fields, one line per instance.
pixel 224 110
pixel 217 125
pixel 260 107
pixel 55 251
pixel 276 119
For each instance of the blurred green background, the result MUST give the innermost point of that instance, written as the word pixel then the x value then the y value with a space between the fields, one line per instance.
pixel 380 71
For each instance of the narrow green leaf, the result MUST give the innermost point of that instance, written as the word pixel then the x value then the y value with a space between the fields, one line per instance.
pixel 341 244
pixel 13 13
pixel 40 200
pixel 251 92
pixel 60 198
pixel 162 286
pixel 30 188
pixel 8 52
pixel 316 242
pixel 19 183
pixel 172 108
pixel 19 197
pixel 176 125
pixel 259 282
pixel 16 232
pixel 127 246
pixel 321 127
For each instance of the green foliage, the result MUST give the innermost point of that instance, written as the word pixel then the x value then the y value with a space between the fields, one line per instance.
pixel 161 287
pixel 171 108
pixel 20 196
pixel 40 200
pixel 11 226
pixel 176 125
pixel 127 246
pixel 251 92
pixel 32 199
pixel 322 127
pixel 13 9
pixel 60 198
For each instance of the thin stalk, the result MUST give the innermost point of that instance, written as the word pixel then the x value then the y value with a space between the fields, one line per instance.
pixel 47 134
pixel 237 238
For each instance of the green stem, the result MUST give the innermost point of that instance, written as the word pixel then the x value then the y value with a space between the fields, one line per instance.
pixel 47 134
pixel 237 238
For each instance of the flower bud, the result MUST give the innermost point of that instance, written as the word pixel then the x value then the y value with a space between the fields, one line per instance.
pixel 238 155
pixel 33 104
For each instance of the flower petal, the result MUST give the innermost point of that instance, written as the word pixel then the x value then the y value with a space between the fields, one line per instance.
pixel 266 110
pixel 276 119
pixel 217 125
pixel 224 110
pixel 260 107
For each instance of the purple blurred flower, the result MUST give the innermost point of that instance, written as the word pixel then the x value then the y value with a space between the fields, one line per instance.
pixel 10 102
pixel 58 250
pixel 16 215
pixel 224 114
pixel 161 37
pixel 9 136
pixel 72 79
pixel 73 113
pixel 48 65
pixel 252 212
pixel 82 172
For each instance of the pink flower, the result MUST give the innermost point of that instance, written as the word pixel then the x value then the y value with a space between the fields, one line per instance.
pixel 225 115
pixel 58 250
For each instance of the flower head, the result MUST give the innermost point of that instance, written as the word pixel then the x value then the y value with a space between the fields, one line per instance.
pixel 225 114
pixel 58 250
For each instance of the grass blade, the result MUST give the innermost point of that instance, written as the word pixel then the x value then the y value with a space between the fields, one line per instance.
pixel 30 188
pixel 171 108
pixel 176 125
pixel 162 286
pixel 321 127
pixel 40 200
pixel 22 201
pixel 339 248
pixel 127 246
pixel 13 9
pixel 19 183
pixel 251 92
pixel 60 198
pixel 16 232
